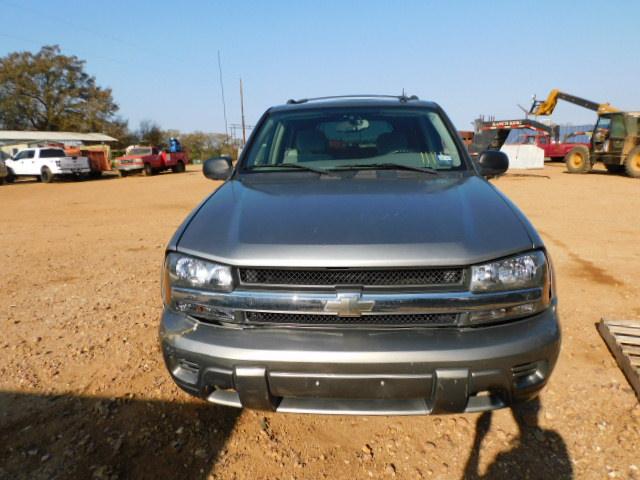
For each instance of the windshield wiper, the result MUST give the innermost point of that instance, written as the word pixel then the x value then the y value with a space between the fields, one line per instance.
pixel 297 166
pixel 389 166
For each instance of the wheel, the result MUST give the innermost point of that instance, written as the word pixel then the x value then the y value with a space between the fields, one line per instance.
pixel 632 163
pixel 45 175
pixel 577 160
pixel 11 177
pixel 179 168
pixel 148 170
pixel 611 168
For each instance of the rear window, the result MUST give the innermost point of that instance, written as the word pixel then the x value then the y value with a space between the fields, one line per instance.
pixel 333 138
pixel 140 151
pixel 52 153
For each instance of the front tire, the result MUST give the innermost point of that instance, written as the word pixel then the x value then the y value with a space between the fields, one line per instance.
pixel 46 176
pixel 632 163
pixel 147 171
pixel 11 177
pixel 577 160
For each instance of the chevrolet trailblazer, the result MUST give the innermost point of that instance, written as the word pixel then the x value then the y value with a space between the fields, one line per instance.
pixel 356 260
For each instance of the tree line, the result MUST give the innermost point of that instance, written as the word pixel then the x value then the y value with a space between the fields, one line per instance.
pixel 200 145
pixel 49 91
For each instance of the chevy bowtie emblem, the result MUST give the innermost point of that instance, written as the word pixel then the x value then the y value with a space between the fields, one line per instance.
pixel 349 304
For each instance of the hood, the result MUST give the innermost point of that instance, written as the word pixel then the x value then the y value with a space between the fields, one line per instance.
pixel 370 219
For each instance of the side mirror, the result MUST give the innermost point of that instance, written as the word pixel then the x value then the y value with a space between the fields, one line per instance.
pixel 493 163
pixel 217 168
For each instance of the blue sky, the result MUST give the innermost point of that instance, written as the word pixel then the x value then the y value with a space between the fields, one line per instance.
pixel 471 57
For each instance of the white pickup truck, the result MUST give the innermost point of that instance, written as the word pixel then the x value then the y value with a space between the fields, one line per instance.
pixel 45 163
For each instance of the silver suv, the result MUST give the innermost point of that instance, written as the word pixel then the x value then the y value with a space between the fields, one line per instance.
pixel 357 261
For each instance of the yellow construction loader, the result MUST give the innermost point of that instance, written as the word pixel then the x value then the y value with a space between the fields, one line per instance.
pixel 615 140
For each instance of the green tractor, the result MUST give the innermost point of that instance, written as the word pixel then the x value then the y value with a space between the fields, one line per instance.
pixel 615 140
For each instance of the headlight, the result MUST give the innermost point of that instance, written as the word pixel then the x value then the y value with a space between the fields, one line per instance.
pixel 528 270
pixel 190 272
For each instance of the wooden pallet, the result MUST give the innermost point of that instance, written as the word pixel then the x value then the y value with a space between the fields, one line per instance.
pixel 623 339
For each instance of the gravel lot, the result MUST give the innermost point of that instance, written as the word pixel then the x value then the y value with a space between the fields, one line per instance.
pixel 84 392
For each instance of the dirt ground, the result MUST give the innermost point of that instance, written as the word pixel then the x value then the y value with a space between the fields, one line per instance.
pixel 84 392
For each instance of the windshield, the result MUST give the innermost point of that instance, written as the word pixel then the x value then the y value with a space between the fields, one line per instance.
pixel 140 151
pixel 335 139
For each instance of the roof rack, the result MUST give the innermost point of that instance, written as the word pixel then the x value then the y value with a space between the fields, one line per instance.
pixel 401 98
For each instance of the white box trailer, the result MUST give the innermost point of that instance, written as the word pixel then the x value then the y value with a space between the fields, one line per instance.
pixel 523 157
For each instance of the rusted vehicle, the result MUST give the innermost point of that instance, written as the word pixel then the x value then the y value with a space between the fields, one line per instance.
pixel 150 160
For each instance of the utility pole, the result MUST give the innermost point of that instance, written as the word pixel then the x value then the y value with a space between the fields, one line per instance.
pixel 224 105
pixel 244 132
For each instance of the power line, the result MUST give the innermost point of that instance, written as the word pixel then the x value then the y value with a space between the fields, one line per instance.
pixel 132 46
pixel 78 26
pixel 112 38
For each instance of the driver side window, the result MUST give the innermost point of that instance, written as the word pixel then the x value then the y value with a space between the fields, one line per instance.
pixel 603 124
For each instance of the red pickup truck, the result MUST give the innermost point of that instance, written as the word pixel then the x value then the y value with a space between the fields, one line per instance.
pixel 552 150
pixel 150 160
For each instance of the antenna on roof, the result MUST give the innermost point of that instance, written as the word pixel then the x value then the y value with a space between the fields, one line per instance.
pixel 244 130
pixel 224 105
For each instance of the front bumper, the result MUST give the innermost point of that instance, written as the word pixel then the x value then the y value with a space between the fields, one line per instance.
pixel 362 371
pixel 130 167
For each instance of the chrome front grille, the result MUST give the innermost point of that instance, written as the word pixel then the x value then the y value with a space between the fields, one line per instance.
pixel 423 277
pixel 390 320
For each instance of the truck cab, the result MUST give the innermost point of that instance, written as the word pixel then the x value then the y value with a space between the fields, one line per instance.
pixel 614 135
pixel 46 163
pixel 553 150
